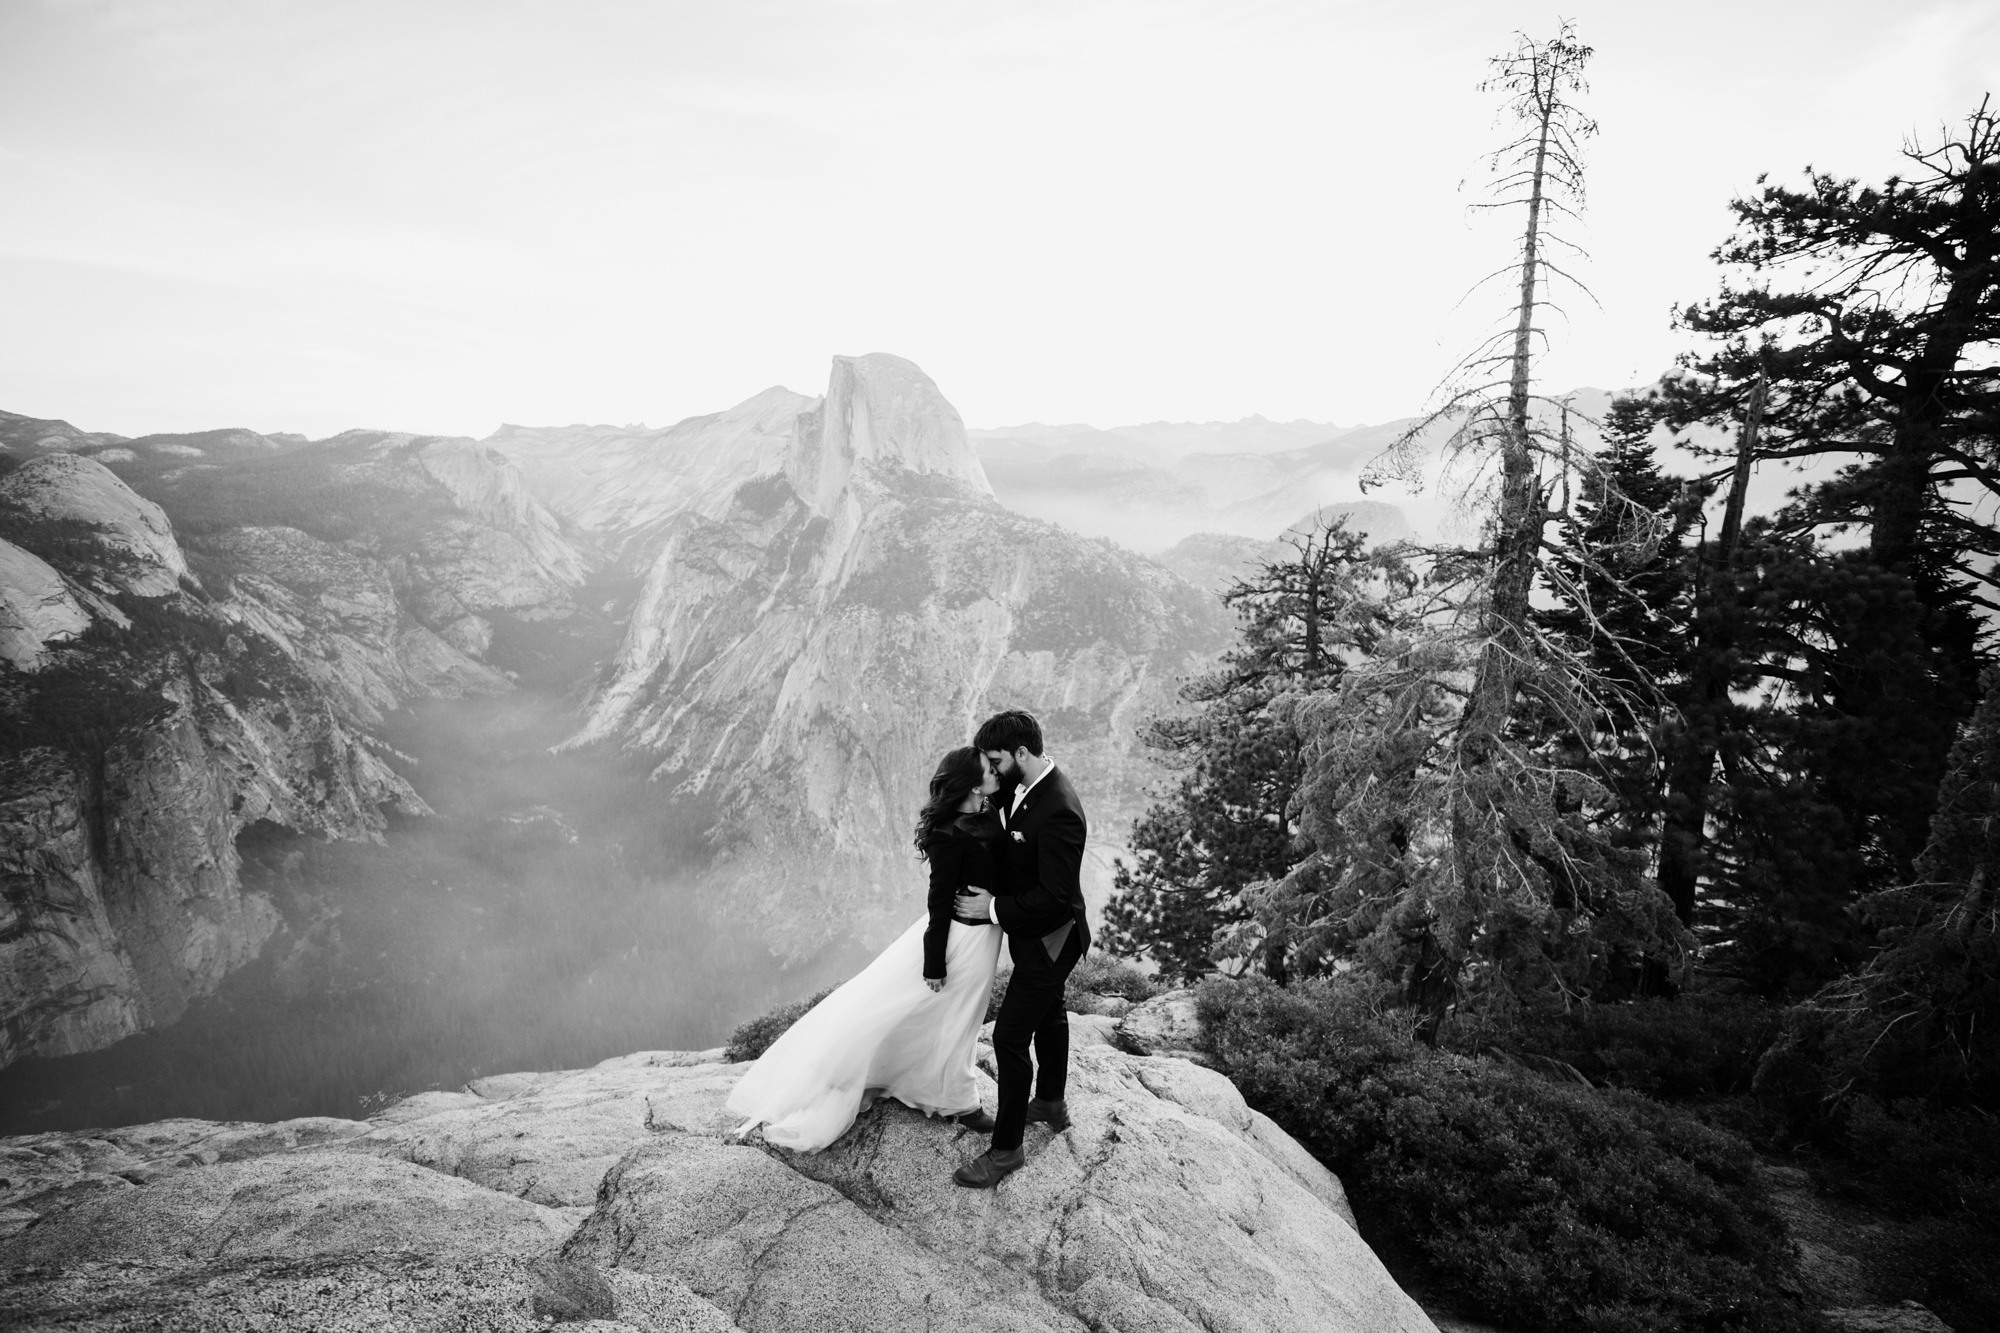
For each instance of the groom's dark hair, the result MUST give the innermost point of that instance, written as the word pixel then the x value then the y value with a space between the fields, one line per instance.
pixel 1010 731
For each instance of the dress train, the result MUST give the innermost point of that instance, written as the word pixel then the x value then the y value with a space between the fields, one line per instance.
pixel 883 1032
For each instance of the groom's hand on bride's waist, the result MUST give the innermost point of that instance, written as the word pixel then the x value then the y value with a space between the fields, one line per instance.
pixel 974 907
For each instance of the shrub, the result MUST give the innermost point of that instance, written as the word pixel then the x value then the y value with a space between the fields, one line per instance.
pixel 997 993
pixel 1692 1046
pixel 1101 973
pixel 1551 1206
pixel 1937 1172
pixel 755 1036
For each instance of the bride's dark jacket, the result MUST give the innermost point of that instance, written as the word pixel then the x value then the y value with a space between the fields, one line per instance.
pixel 961 854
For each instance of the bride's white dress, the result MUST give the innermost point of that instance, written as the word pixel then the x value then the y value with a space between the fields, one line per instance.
pixel 882 1033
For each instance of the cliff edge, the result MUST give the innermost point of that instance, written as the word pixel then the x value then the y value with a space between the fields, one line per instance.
pixel 614 1197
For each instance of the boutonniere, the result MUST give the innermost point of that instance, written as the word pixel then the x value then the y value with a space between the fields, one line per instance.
pixel 1018 837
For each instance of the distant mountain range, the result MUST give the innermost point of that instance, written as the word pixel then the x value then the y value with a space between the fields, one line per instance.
pixel 201 636
pixel 201 633
pixel 1151 486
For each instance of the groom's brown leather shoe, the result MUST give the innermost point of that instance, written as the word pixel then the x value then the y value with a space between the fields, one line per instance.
pixel 976 1120
pixel 990 1168
pixel 1053 1114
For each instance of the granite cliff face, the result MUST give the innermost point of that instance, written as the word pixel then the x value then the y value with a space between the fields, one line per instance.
pixel 616 1194
pixel 830 606
pixel 154 709
pixel 203 632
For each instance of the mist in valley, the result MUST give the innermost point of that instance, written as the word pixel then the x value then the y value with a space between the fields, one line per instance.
pixel 546 916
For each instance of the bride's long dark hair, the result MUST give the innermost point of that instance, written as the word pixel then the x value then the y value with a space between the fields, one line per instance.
pixel 959 773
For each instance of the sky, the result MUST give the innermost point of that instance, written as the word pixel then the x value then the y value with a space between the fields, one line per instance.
pixel 438 216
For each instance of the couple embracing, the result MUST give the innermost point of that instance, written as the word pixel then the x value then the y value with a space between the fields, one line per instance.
pixel 1003 832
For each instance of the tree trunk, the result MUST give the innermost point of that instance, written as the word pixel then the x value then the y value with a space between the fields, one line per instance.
pixel 1684 830
pixel 1518 526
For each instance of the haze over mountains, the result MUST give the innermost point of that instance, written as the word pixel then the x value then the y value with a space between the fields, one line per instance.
pixel 776 618
pixel 772 619
pixel 1154 485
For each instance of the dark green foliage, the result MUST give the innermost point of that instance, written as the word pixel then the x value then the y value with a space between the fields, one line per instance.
pixel 336 491
pixel 1547 1206
pixel 1873 310
pixel 1623 601
pixel 1864 319
pixel 1100 973
pixel 752 1038
pixel 1936 1175
pixel 997 992
pixel 1928 1004
pixel 1097 593
pixel 1922 1018
pixel 108 682
pixel 896 578
pixel 765 496
pixel 1693 1046
pixel 1830 745
pixel 1230 821
pixel 69 544
pixel 1620 581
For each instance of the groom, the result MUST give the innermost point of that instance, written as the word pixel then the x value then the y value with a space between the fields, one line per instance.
pixel 1039 904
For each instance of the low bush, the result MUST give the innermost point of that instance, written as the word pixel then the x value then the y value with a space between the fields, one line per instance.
pixel 997 993
pixel 1691 1046
pixel 1937 1173
pixel 752 1038
pixel 1101 973
pixel 1549 1206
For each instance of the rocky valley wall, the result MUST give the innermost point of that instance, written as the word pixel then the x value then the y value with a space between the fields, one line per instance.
pixel 151 713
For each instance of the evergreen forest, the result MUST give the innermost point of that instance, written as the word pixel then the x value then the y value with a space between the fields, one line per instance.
pixel 1577 891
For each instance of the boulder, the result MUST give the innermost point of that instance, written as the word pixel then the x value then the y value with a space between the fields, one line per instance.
pixel 616 1198
pixel 1906 1317
pixel 1164 1025
pixel 357 1293
pixel 300 1204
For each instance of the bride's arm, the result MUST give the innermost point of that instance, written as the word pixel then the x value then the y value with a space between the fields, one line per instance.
pixel 947 876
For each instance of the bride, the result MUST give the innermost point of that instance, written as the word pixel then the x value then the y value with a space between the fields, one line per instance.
pixel 904 1026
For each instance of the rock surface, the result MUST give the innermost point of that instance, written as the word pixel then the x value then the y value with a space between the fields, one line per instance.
pixel 1907 1317
pixel 146 750
pixel 832 599
pixel 1164 1025
pixel 142 556
pixel 616 1195
pixel 36 606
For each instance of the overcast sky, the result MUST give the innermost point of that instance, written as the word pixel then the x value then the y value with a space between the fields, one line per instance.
pixel 438 216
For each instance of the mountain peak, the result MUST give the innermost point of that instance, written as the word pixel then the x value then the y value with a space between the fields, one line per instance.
pixel 880 411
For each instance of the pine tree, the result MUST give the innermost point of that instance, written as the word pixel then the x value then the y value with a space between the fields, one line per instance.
pixel 1856 321
pixel 1923 1017
pixel 1622 593
pixel 1874 311
pixel 1230 820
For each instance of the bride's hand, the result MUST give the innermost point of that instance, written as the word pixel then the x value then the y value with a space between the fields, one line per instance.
pixel 935 983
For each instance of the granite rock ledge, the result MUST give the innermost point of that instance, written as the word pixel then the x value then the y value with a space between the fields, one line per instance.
pixel 615 1198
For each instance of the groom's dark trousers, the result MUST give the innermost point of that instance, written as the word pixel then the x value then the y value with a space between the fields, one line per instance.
pixel 1032 1014
pixel 1041 909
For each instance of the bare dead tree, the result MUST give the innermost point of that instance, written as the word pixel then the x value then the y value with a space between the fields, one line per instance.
pixel 1490 393
pixel 1448 824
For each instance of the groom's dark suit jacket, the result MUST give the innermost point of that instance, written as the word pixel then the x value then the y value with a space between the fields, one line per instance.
pixel 1042 896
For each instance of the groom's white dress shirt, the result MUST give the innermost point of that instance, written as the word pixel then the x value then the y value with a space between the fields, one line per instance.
pixel 1020 795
